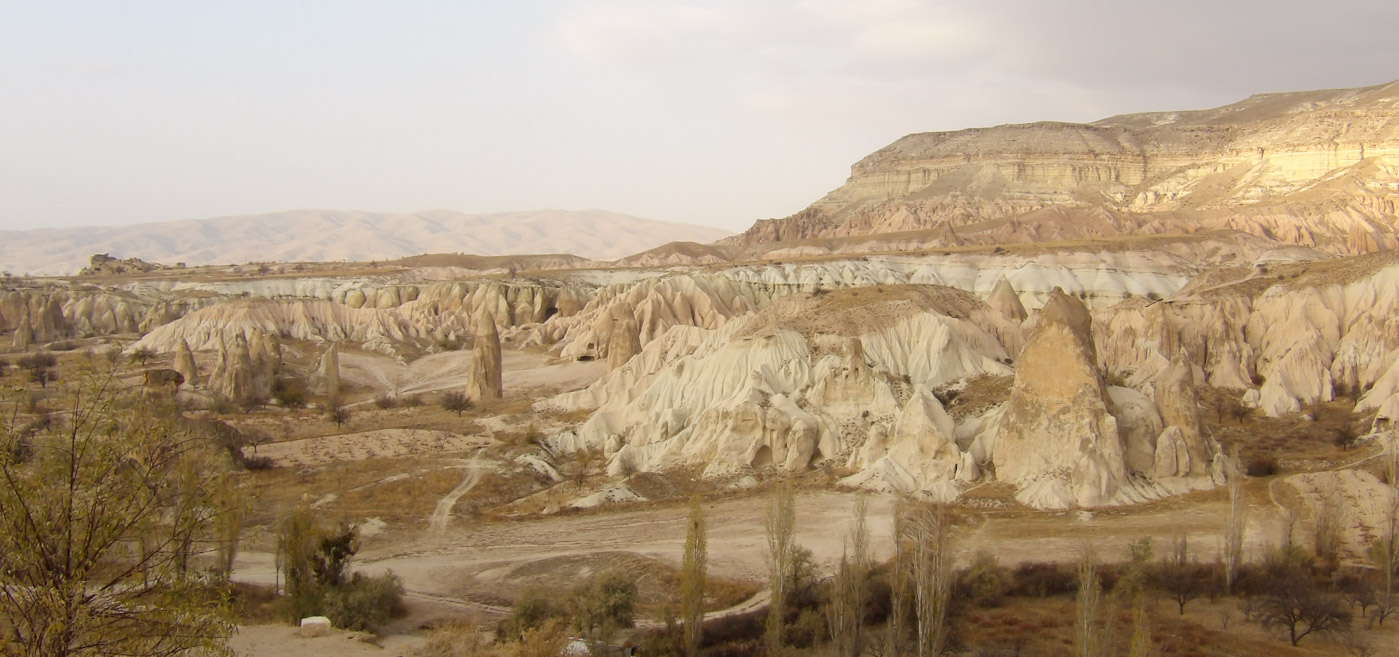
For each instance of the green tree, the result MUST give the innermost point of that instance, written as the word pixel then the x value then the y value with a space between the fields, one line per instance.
pixel 100 516
pixel 846 609
pixel 1238 513
pixel 692 575
pixel 531 611
pixel 603 604
pixel 298 537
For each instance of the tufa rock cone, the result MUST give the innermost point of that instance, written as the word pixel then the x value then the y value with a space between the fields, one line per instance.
pixel 1004 299
pixel 626 336
pixel 326 379
pixel 1056 438
pixel 184 362
pixel 485 380
pixel 24 335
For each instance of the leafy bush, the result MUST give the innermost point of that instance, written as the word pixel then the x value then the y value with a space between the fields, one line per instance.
pixel 985 582
pixel 603 604
pixel 531 611
pixel 411 401
pixel 289 393
pixel 364 603
pixel 1039 580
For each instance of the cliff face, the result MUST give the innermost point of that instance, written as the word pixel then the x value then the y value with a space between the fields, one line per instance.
pixel 1316 169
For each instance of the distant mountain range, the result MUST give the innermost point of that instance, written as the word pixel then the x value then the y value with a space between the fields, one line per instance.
pixel 330 235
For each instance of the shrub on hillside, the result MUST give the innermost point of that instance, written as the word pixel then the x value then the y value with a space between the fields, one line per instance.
pixel 1039 580
pixel 1263 466
pixel 364 603
pixel 289 393
pixel 531 611
pixel 985 582
pixel 455 401
pixel 385 402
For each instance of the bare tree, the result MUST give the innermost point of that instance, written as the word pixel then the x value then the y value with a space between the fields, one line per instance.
pixel 1291 602
pixel 932 578
pixel 1238 511
pixel 780 524
pixel 1180 578
pixel 337 413
pixel 895 631
pixel 845 610
pixel 1087 628
pixel 455 401
pixel 692 574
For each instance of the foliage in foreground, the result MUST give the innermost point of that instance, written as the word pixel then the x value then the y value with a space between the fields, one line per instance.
pixel 105 512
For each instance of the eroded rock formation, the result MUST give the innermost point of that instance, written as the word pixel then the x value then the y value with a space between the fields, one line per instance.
pixel 1056 438
pixel 485 380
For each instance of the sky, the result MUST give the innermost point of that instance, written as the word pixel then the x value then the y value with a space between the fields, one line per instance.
pixel 714 112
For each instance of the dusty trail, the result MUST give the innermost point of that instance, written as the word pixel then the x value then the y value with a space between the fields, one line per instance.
pixel 442 513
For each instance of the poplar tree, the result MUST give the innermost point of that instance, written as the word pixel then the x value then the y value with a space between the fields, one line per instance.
pixel 692 575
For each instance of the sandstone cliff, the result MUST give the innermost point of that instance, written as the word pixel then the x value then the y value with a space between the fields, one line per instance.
pixel 1316 169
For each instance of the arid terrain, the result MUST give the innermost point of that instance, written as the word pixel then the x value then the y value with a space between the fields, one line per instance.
pixel 1070 338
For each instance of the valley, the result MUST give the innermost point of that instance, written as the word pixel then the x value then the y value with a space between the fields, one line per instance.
pixel 1071 342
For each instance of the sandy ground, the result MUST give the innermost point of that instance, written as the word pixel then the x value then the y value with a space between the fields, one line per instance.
pixel 469 561
pixel 285 641
pixel 367 444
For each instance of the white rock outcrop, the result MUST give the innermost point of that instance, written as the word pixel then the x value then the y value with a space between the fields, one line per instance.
pixel 846 377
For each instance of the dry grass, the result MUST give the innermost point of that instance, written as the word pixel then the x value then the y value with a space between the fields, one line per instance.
pixel 980 394
pixel 657 581
pixel 1296 443
pixel 397 490
pixel 1044 627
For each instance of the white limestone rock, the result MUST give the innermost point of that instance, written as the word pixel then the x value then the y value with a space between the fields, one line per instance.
pixel 315 626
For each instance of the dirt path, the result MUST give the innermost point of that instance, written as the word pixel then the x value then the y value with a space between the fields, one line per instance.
pixel 442 513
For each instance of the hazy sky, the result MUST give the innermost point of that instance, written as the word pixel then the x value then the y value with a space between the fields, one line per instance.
pixel 717 112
